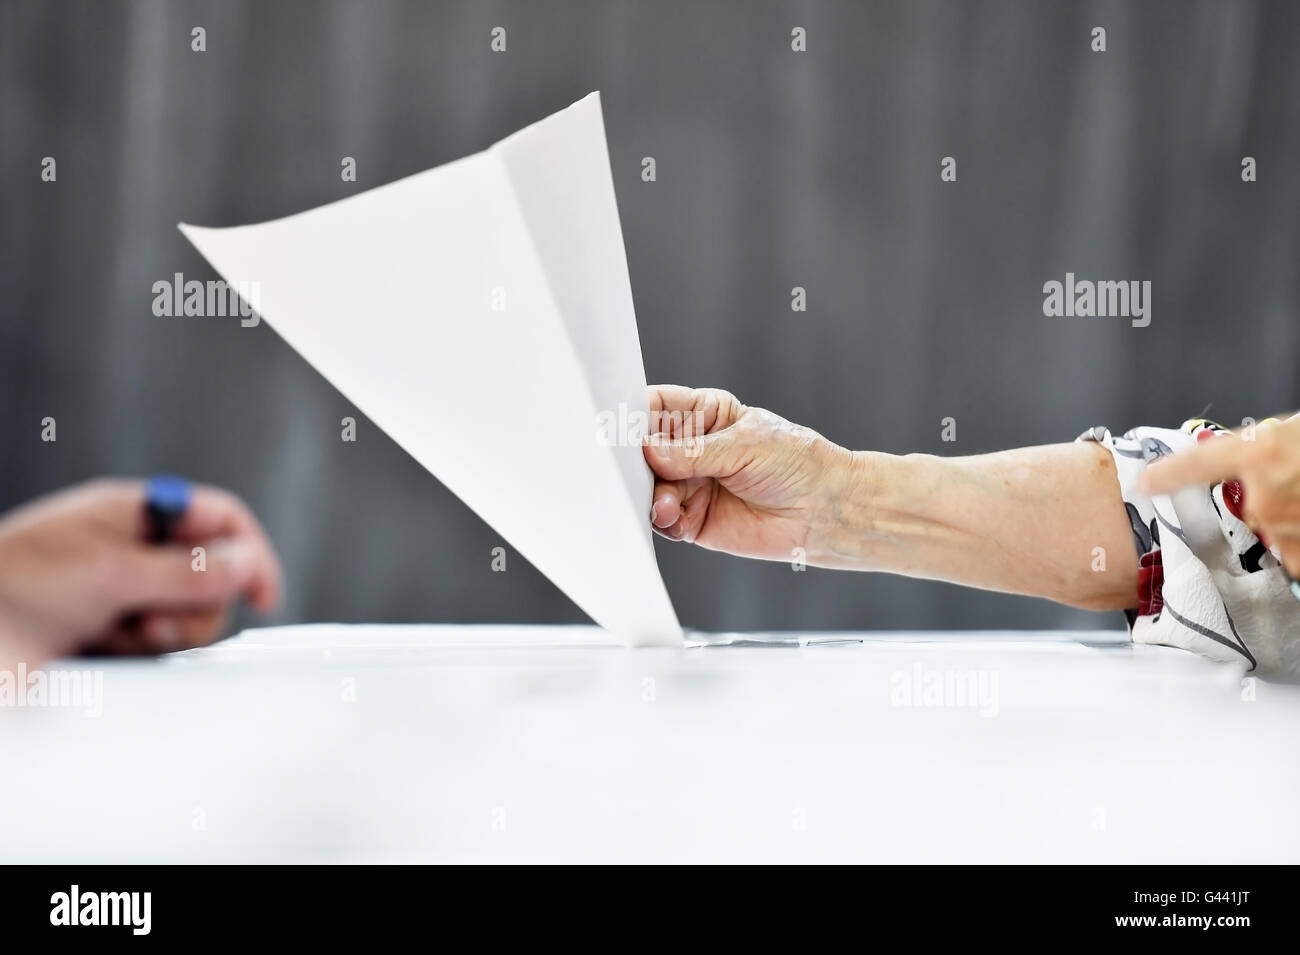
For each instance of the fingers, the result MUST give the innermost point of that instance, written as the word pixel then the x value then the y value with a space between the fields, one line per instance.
pixel 178 576
pixel 680 412
pixel 690 436
pixel 712 456
pixel 1217 459
pixel 698 437
pixel 214 513
pixel 163 632
pixel 124 641
pixel 184 629
pixel 1269 471
pixel 1208 463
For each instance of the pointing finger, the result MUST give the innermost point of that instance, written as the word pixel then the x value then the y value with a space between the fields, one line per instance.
pixel 1209 462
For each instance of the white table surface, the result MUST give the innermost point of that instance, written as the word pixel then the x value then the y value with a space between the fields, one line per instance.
pixel 456 743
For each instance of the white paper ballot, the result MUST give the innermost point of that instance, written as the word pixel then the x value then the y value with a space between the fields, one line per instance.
pixel 481 314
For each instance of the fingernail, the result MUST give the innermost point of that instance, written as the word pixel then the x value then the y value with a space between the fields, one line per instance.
pixel 654 513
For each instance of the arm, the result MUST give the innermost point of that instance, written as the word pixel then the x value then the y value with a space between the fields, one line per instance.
pixel 1027 521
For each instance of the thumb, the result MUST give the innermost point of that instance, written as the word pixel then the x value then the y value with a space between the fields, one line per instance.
pixel 177 576
pixel 707 456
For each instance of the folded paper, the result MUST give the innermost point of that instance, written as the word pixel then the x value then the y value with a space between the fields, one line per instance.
pixel 481 314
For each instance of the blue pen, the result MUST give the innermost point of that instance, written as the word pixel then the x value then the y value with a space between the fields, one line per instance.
pixel 166 498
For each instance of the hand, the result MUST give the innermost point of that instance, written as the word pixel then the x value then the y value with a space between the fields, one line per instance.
pixel 739 479
pixel 1269 470
pixel 76 573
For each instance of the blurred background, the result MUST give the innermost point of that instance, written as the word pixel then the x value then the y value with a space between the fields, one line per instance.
pixel 775 169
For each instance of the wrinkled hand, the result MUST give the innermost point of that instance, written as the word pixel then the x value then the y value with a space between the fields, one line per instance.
pixel 1269 470
pixel 76 573
pixel 740 479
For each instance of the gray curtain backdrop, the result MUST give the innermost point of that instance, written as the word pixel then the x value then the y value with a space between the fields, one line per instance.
pixel 775 169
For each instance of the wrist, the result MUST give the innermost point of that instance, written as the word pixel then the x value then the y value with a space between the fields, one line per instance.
pixel 880 513
pixel 846 524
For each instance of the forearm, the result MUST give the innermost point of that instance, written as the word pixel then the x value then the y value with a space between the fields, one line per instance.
pixel 1045 521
